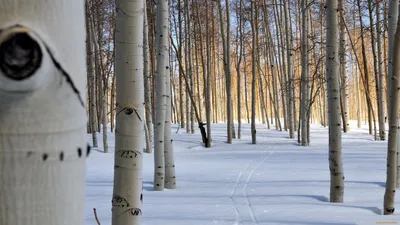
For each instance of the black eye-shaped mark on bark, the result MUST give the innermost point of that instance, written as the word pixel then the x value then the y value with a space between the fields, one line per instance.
pixel 128 153
pixel 79 152
pixel 66 75
pixel 136 211
pixel 45 156
pixel 128 111
pixel 20 56
pixel 88 148
pixel 133 211
pixel 119 201
pixel 61 156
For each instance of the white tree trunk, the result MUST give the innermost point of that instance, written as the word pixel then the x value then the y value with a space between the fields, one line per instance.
pixel 381 87
pixel 343 69
pixel 92 83
pixel 127 193
pixel 392 26
pixel 43 144
pixel 332 77
pixel 391 172
pixel 305 74
pixel 147 80
pixel 289 70
pixel 253 77
pixel 162 70
pixel 170 176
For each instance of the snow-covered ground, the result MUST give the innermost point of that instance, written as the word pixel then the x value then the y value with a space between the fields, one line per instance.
pixel 273 182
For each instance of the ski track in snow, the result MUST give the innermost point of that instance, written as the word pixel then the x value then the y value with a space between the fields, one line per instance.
pixel 251 211
pixel 246 182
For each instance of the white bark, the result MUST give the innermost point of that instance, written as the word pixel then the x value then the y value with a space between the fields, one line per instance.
pixel 147 79
pixel 381 76
pixel 170 176
pixel 126 201
pixel 42 113
pixel 289 70
pixel 91 79
pixel 332 75
pixel 343 69
pixel 253 77
pixel 162 70
pixel 305 74
pixel 391 172
pixel 392 26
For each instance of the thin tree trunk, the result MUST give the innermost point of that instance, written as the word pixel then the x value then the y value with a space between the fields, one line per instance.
pixel 376 75
pixel 238 87
pixel 254 72
pixel 181 93
pixel 91 79
pixel 208 86
pixel 170 176
pixel 392 26
pixel 289 70
pixel 304 74
pixel 391 172
pixel 332 74
pixel 226 58
pixel 112 105
pixel 381 77
pixel 369 103
pixel 161 104
pixel 147 78
pixel 343 70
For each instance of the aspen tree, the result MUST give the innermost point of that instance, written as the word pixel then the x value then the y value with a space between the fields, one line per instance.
pixel 289 69
pixel 305 74
pixel 127 193
pixel 147 79
pixel 208 77
pixel 343 69
pixel 254 72
pixel 391 171
pixel 332 75
pixel 43 144
pixel 161 90
pixel 170 176
pixel 381 76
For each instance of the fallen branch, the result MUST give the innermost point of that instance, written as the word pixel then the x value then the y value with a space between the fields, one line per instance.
pixel 95 216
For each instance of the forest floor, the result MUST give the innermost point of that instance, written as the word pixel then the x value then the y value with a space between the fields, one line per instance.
pixel 275 181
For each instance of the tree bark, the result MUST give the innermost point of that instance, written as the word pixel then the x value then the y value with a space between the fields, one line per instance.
pixel 170 176
pixel 254 72
pixel 332 74
pixel 127 193
pixel 43 144
pixel 147 79
pixel 208 86
pixel 343 70
pixel 289 47
pixel 391 172
pixel 161 91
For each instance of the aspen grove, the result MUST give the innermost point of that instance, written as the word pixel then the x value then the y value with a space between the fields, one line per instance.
pixel 129 112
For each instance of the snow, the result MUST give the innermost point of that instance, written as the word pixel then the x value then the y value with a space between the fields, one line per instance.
pixel 275 181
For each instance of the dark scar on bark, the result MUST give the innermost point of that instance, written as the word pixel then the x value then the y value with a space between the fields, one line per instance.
pixel 79 152
pixel 66 75
pixel 88 148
